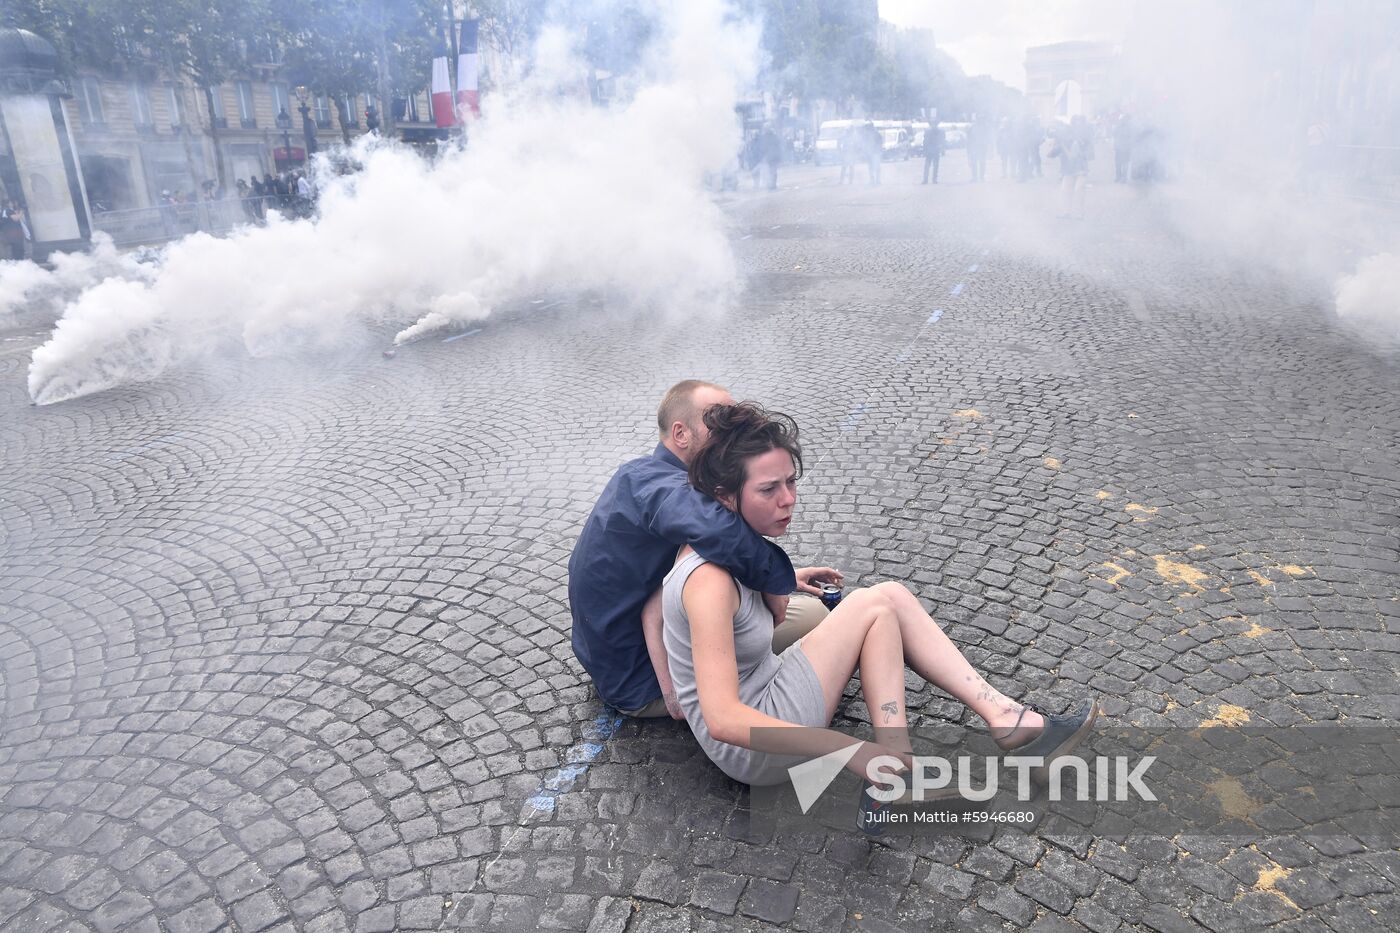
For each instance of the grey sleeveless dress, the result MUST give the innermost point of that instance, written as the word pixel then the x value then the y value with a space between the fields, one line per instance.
pixel 784 687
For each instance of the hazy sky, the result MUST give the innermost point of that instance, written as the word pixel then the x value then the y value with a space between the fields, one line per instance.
pixel 991 36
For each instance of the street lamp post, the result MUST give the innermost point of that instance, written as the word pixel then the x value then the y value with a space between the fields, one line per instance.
pixel 284 123
pixel 308 128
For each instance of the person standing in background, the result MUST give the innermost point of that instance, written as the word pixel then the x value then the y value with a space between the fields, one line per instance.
pixel 873 150
pixel 1123 133
pixel 14 230
pixel 770 152
pixel 933 152
pixel 1006 146
pixel 1030 137
pixel 1074 146
pixel 849 145
pixel 978 142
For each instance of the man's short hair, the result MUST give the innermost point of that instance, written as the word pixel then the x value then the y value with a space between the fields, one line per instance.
pixel 679 404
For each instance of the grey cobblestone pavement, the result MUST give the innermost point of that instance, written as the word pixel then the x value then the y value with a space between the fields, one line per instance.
pixel 286 647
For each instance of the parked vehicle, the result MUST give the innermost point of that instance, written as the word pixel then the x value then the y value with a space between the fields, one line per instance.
pixel 916 143
pixel 954 135
pixel 827 149
pixel 896 139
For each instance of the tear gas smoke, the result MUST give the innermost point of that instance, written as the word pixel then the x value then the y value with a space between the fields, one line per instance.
pixel 552 193
pixel 1231 91
pixel 27 286
pixel 1371 294
pixel 1238 87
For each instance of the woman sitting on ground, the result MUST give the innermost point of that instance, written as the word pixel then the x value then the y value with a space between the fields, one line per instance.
pixel 718 635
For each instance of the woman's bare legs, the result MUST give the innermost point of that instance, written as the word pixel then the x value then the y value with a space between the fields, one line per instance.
pixel 934 657
pixel 839 644
pixel 863 631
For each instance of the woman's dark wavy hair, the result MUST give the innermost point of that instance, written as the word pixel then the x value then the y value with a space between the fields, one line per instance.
pixel 738 432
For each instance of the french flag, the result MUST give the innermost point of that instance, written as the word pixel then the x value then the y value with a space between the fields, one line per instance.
pixel 468 102
pixel 442 92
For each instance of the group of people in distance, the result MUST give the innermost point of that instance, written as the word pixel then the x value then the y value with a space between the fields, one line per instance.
pixel 682 606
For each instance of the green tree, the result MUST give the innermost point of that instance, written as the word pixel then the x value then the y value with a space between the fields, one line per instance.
pixel 343 47
pixel 511 28
pixel 329 48
pixel 82 31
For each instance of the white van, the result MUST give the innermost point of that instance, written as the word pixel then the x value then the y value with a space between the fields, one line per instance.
pixel 896 139
pixel 827 149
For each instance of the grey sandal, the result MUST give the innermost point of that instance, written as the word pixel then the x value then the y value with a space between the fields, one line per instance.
pixel 1061 735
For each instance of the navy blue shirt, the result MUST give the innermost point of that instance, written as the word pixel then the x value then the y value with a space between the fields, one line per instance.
pixel 646 513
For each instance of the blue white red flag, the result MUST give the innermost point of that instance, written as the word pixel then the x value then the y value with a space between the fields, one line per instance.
pixel 442 92
pixel 468 103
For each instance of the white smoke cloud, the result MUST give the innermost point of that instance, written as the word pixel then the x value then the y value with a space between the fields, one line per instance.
pixel 30 287
pixel 1371 294
pixel 552 193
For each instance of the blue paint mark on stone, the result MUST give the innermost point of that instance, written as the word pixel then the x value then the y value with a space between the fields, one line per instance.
pixel 972 268
pixel 853 419
pixel 577 760
pixel 935 316
pixel 476 330
pixel 957 289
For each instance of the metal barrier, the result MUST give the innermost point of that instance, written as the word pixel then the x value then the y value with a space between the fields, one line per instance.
pixel 165 222
pixel 1369 172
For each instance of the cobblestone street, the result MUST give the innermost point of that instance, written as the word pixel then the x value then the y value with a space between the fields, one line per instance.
pixel 285 645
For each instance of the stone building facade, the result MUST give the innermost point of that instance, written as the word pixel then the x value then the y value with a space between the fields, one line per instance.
pixel 139 138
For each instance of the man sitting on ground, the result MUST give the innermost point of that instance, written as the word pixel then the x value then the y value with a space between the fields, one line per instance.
pixel 629 542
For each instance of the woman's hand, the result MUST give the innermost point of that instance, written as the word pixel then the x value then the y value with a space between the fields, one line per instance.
pixel 809 577
pixel 869 751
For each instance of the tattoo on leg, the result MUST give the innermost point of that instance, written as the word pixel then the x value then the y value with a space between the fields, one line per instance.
pixel 891 710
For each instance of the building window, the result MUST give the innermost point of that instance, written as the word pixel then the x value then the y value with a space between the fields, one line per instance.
pixel 216 107
pixel 245 104
pixel 281 103
pixel 108 182
pixel 90 102
pixel 352 116
pixel 322 111
pixel 141 105
pixel 177 107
